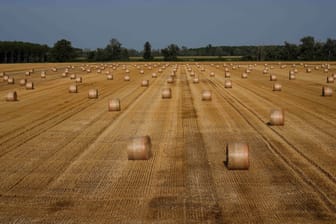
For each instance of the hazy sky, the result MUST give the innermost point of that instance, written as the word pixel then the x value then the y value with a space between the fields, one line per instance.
pixel 192 23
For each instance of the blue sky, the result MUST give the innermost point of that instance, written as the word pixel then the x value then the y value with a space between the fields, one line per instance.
pixel 90 24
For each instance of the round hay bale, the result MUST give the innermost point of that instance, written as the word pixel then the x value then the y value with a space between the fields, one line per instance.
pixel 142 72
pixel 227 75
pixel 78 79
pixel 170 80
pixel 228 84
pixel 109 77
pixel 23 82
pixel 64 74
pixel 192 74
pixel 145 83
pixel 317 67
pixel 93 94
pixel 212 74
pixel 114 105
pixel 2 74
pixel 73 76
pixel 139 148
pixel 166 93
pixel 265 71
pixel 291 76
pixel 54 69
pixel 326 70
pixel 11 96
pixel 43 75
pixel 154 75
pixel 334 75
pixel 127 70
pixel 195 80
pixel 273 78
pixel 295 70
pixel 206 95
pixel 237 156
pixel 277 87
pixel 27 73
pixel 327 91
pixel 330 79
pixel 6 77
pixel 277 117
pixel 10 80
pixel 244 76
pixel 308 70
pixel 73 89
pixel 127 78
pixel 29 85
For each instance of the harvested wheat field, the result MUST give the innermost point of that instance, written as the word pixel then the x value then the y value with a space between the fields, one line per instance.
pixel 68 152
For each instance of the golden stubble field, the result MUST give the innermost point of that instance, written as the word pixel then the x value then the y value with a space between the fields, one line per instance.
pixel 63 156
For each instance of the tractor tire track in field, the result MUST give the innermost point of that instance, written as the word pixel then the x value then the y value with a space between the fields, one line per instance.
pixel 202 203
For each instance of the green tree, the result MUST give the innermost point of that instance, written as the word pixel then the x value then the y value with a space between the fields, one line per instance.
pixel 62 51
pixel 170 53
pixel 114 49
pixel 147 55
pixel 307 48
pixel 329 49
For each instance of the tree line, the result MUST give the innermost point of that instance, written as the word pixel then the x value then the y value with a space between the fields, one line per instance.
pixel 62 51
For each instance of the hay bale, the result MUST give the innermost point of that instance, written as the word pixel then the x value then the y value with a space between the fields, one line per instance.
pixel 277 87
pixel 10 81
pixel 227 75
pixel 170 80
pixel 244 76
pixel 78 79
pixel 73 89
pixel 237 156
pixel 23 82
pixel 114 105
pixel 154 75
pixel 73 76
pixel 29 85
pixel 127 78
pixel 2 74
pixel 27 73
pixel 11 96
pixel 93 94
pixel 308 70
pixel 212 74
pixel 291 75
pixel 206 95
pixel 195 80
pixel 166 93
pixel 330 79
pixel 109 77
pixel 228 84
pixel 277 117
pixel 327 91
pixel 139 148
pixel 145 83
pixel 273 78
pixel 6 77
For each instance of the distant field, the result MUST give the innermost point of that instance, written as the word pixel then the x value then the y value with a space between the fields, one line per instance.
pixel 192 58
pixel 63 157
